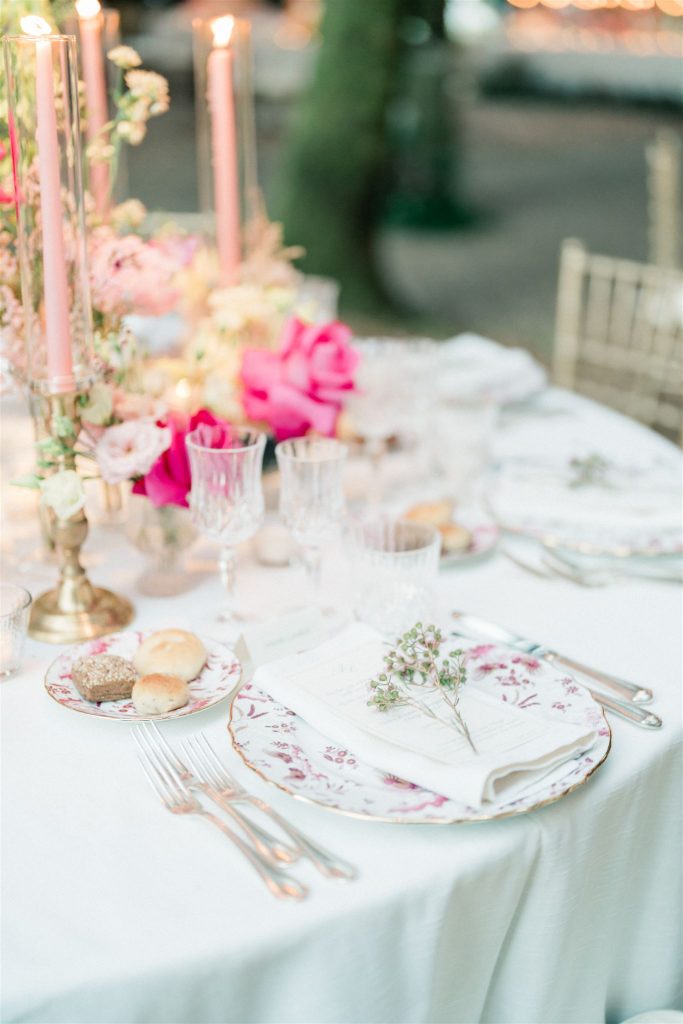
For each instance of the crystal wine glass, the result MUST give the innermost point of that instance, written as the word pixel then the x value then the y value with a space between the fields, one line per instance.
pixel 376 406
pixel 226 499
pixel 311 495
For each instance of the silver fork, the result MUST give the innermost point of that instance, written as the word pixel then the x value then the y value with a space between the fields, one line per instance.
pixel 179 800
pixel 268 845
pixel 202 756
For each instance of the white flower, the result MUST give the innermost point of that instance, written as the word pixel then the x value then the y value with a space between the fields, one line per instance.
pixel 125 57
pixel 149 86
pixel 132 131
pixel 130 449
pixel 63 493
pixel 100 150
pixel 129 214
pixel 100 405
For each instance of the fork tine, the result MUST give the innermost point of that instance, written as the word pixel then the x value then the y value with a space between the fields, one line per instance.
pixel 198 762
pixel 163 768
pixel 212 757
pixel 153 780
pixel 155 731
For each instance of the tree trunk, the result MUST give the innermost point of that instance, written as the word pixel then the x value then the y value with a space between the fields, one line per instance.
pixel 332 169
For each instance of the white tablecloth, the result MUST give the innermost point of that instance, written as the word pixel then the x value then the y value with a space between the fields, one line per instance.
pixel 116 911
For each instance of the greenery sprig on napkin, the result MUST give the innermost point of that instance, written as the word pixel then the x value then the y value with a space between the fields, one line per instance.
pixel 416 663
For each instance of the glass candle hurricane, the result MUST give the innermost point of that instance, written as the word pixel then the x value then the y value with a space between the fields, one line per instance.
pixel 226 499
pixel 226 146
pixel 45 139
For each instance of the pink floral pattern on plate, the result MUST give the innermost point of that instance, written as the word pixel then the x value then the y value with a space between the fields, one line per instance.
pixel 218 678
pixel 284 750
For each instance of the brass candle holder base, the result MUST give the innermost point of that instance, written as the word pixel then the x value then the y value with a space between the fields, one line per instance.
pixel 107 613
pixel 74 610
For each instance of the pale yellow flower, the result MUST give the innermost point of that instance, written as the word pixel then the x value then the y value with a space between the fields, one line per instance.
pixel 125 57
pixel 129 214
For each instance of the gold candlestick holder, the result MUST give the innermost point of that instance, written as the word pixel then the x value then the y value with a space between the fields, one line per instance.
pixel 74 610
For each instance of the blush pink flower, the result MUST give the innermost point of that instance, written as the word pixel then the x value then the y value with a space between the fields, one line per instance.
pixel 304 385
pixel 129 450
pixel 129 275
pixel 169 480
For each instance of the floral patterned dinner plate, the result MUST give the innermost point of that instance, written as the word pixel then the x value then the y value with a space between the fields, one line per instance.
pixel 216 681
pixel 284 750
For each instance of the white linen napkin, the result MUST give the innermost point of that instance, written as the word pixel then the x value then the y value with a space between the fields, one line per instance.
pixel 475 367
pixel 328 687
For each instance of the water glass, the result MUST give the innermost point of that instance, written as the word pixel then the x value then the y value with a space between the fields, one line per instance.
pixel 463 432
pixel 15 603
pixel 226 500
pixel 394 563
pixel 311 495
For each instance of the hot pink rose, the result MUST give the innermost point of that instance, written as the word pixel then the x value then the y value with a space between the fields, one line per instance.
pixel 303 386
pixel 168 482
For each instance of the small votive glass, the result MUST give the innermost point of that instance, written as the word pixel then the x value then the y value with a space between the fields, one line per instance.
pixel 394 563
pixel 15 604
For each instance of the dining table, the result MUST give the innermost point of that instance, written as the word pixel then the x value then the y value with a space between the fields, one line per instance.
pixel 114 910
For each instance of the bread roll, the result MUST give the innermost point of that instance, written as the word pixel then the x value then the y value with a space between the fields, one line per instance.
pixel 99 677
pixel 157 693
pixel 171 651
pixel 435 513
pixel 454 538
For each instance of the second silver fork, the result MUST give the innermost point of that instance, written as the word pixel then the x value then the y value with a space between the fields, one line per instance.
pixel 269 846
pixel 203 758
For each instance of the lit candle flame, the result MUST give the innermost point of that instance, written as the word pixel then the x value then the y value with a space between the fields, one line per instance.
pixel 33 25
pixel 222 29
pixel 88 8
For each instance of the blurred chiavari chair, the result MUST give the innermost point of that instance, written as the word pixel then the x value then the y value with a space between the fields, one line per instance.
pixel 619 336
pixel 664 198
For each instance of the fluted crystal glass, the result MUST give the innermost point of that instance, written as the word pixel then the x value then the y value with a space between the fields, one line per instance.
pixel 226 500
pixel 312 495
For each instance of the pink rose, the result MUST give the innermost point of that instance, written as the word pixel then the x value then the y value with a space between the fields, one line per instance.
pixel 129 275
pixel 303 386
pixel 128 450
pixel 168 481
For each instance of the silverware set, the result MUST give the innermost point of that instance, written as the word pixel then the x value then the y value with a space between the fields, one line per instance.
pixel 548 563
pixel 180 782
pixel 625 700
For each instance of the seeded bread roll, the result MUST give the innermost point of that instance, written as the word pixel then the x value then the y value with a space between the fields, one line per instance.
pixel 171 652
pixel 99 677
pixel 157 693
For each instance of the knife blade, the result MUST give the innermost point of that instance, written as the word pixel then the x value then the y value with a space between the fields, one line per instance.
pixel 480 629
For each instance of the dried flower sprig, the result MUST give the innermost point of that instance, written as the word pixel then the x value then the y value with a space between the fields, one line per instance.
pixel 417 663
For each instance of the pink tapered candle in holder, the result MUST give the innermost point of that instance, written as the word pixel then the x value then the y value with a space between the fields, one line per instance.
pixel 55 289
pixel 45 137
pixel 91 28
pixel 221 98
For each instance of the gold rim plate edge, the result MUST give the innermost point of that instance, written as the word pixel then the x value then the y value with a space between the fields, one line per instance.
pixel 232 692
pixel 358 815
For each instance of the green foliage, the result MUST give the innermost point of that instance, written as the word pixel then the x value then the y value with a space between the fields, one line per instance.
pixel 417 664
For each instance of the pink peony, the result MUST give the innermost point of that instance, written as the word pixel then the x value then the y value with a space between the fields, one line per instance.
pixel 303 386
pixel 168 481
pixel 129 450
pixel 129 275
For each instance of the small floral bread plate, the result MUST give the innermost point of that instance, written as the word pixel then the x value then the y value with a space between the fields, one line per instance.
pixel 484 535
pixel 287 752
pixel 215 682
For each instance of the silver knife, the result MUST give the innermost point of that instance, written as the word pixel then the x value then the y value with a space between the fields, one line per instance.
pixel 480 629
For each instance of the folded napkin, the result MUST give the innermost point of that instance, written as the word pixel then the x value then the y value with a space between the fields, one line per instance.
pixel 328 687
pixel 476 367
pixel 544 494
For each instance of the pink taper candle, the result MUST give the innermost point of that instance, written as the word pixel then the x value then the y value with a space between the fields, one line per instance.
pixel 55 285
pixel 91 23
pixel 224 150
